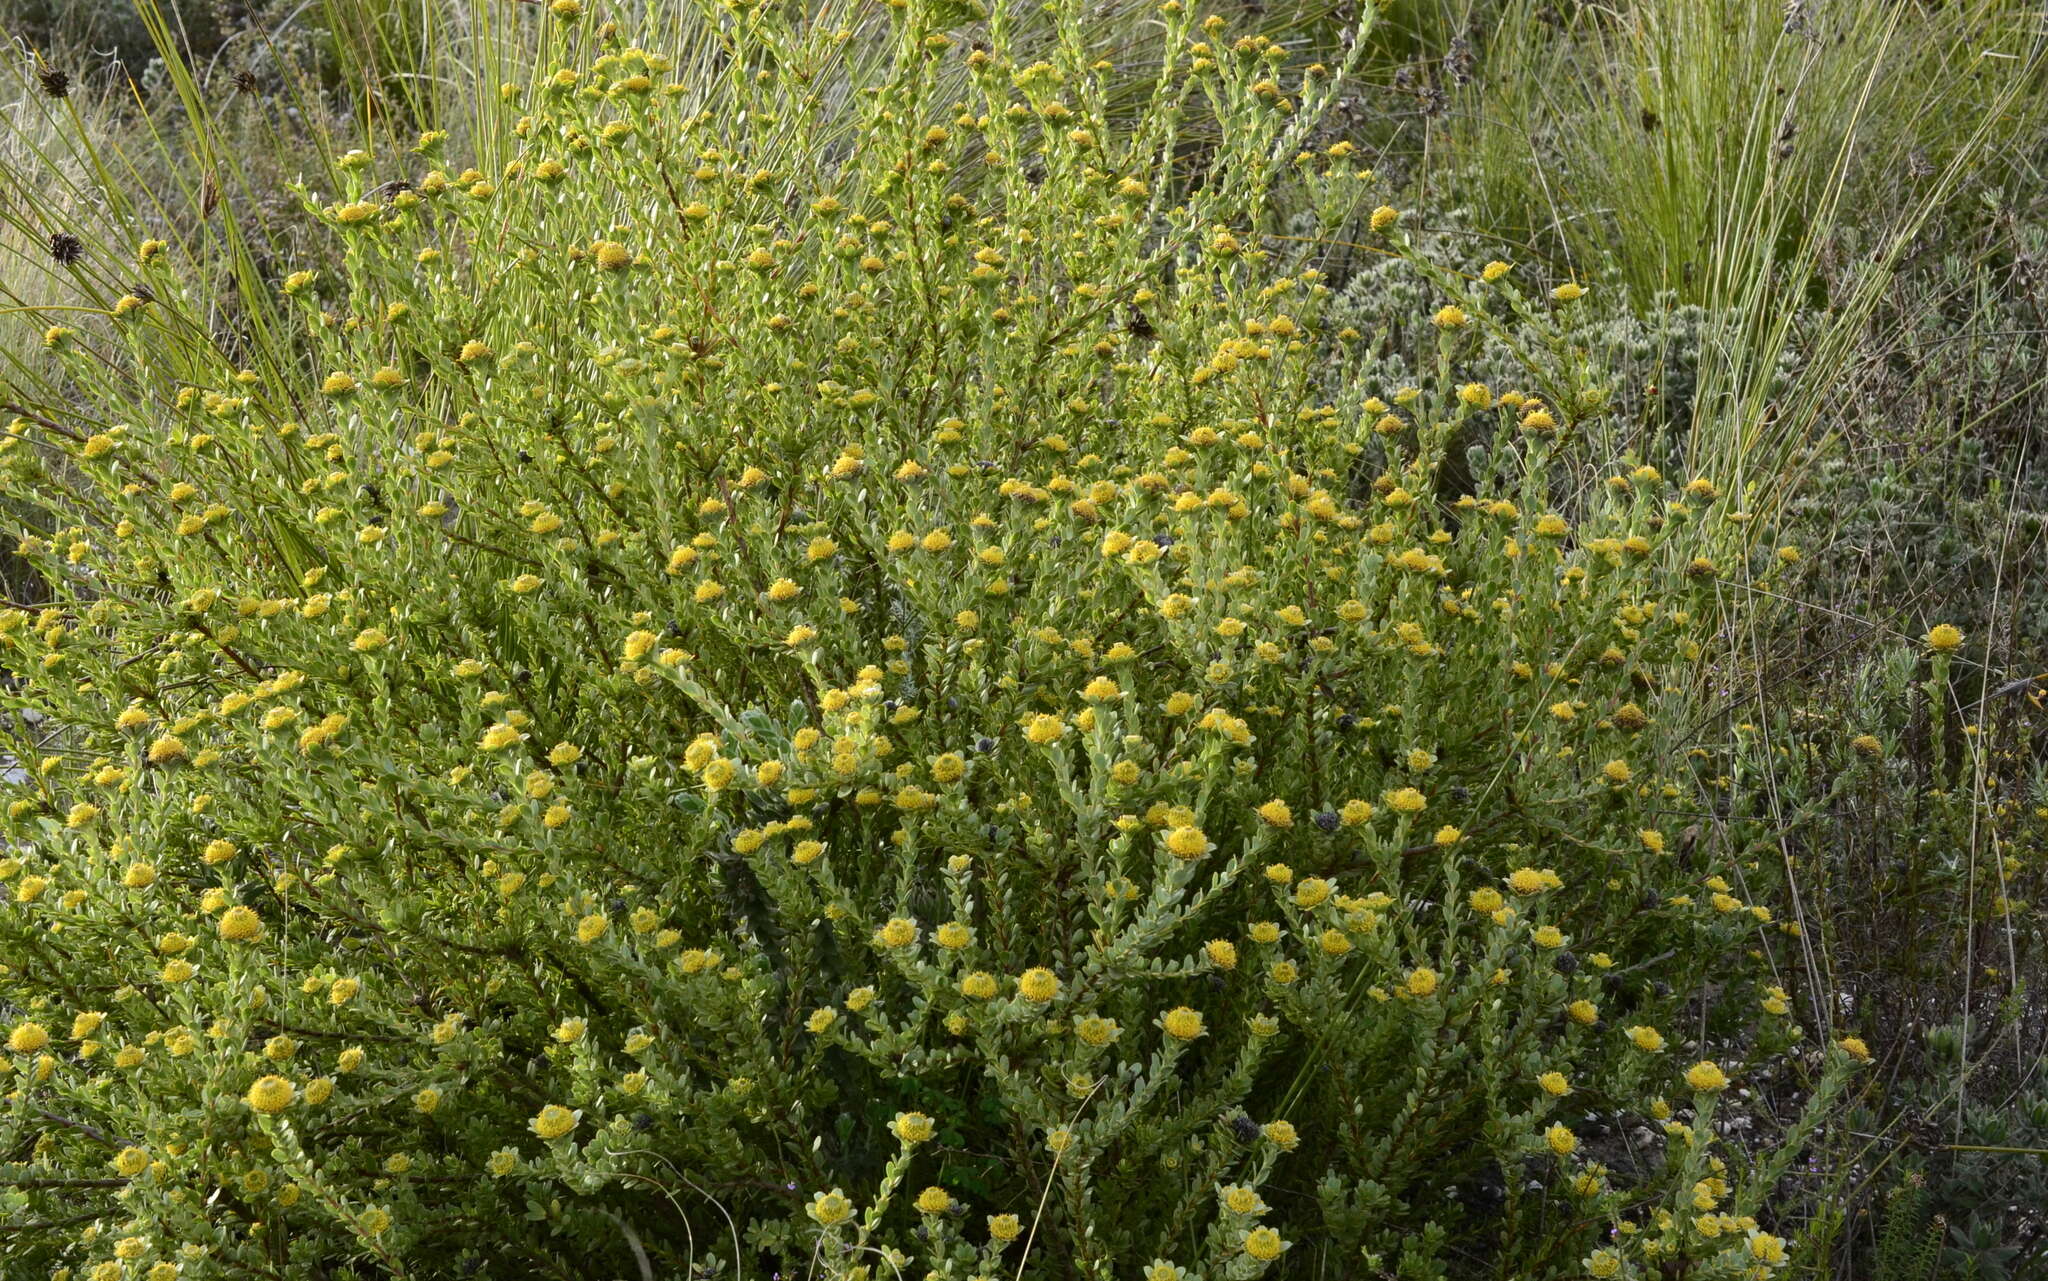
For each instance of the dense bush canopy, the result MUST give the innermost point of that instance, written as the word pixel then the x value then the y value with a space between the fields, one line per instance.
pixel 864 710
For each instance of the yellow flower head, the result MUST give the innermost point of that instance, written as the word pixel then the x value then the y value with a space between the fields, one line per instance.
pixel 1038 984
pixel 1096 1031
pixel 913 1127
pixel 1706 1076
pixel 978 985
pixel 240 925
pixel 1182 1023
pixel 553 1121
pixel 1263 1244
pixel 1239 1199
pixel 270 1095
pixel 830 1208
pixel 1187 842
pixel 1043 729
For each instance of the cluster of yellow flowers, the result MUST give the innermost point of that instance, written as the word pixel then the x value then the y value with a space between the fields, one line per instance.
pixel 736 646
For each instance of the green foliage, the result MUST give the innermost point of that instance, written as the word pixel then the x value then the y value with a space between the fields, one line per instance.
pixel 1772 163
pixel 730 669
pixel 1909 1243
pixel 1671 132
pixel 59 29
pixel 1947 1218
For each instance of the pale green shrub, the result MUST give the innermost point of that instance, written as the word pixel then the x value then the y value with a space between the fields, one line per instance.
pixel 852 711
pixel 1646 353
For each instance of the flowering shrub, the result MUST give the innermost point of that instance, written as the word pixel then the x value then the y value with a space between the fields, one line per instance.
pixel 852 711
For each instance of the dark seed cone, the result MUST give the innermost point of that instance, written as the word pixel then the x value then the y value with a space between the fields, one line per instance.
pixel 65 248
pixel 55 83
